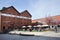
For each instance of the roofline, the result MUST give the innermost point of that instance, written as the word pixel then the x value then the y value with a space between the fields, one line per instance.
pixel 10 7
pixel 26 11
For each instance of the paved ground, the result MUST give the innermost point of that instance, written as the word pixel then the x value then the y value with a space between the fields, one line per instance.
pixel 47 33
pixel 18 37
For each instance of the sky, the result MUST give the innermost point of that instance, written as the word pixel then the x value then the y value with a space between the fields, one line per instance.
pixel 37 8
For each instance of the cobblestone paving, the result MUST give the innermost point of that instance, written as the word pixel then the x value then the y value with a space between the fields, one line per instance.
pixel 18 37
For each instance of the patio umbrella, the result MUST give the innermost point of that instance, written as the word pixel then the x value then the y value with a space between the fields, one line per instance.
pixel 29 26
pixel 23 26
pixel 34 26
pixel 45 25
pixel 38 25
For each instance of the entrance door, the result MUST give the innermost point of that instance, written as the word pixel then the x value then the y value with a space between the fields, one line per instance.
pixel 4 30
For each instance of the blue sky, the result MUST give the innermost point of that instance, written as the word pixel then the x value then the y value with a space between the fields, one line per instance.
pixel 37 8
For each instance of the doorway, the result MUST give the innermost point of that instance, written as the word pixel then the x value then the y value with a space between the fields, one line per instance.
pixel 4 29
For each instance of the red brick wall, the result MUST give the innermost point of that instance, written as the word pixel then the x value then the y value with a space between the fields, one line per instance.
pixel 14 22
pixel 25 14
pixel 10 11
pixel 0 23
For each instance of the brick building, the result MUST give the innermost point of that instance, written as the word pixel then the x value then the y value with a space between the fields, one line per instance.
pixel 44 20
pixel 11 18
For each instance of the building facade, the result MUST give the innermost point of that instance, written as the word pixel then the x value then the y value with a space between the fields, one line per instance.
pixel 11 18
pixel 51 20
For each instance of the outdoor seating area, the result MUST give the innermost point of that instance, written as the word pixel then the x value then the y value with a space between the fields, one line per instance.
pixel 34 28
pixel 39 28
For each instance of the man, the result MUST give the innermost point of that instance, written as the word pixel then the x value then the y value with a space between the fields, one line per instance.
pixel 56 28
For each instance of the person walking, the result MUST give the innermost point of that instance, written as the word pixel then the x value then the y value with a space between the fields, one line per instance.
pixel 55 28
